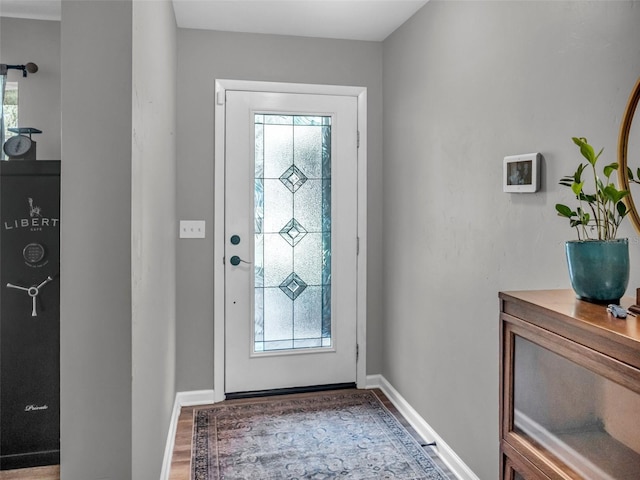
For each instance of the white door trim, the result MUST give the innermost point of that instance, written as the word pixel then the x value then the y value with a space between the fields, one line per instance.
pixel 221 86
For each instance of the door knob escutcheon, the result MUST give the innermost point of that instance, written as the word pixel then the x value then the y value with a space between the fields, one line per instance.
pixel 235 260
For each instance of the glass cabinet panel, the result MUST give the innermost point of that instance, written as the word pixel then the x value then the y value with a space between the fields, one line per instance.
pixel 588 422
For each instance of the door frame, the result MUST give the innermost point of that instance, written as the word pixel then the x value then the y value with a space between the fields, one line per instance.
pixel 221 86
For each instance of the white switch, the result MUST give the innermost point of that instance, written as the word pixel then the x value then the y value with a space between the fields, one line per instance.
pixel 191 228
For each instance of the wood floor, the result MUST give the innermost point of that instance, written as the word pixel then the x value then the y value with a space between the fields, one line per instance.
pixel 38 473
pixel 181 460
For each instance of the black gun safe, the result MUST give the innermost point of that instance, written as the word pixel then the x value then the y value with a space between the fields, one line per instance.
pixel 29 313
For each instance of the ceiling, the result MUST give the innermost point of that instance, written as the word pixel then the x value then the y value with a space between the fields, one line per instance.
pixel 370 20
pixel 37 9
pixel 347 19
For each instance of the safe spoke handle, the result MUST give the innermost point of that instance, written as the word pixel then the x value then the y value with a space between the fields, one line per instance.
pixel 49 279
pixel 33 292
pixel 11 285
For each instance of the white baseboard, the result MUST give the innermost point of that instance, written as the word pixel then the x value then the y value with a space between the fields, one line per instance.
pixel 183 399
pixel 551 443
pixel 196 397
pixel 419 424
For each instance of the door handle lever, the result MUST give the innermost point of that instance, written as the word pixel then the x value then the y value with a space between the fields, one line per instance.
pixel 235 261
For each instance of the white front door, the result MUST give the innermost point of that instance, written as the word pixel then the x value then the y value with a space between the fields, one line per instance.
pixel 291 226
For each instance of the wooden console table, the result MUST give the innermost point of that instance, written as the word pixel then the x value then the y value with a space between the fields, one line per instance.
pixel 569 389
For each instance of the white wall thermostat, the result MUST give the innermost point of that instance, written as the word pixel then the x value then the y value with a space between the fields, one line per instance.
pixel 521 173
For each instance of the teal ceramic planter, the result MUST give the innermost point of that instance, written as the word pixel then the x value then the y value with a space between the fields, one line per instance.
pixel 599 270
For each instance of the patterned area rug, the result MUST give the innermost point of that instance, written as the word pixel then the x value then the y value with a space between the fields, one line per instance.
pixel 346 434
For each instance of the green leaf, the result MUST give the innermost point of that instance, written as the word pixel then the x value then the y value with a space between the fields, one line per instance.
pixel 583 217
pixel 587 198
pixel 608 170
pixel 564 211
pixel 577 187
pixel 568 180
pixel 598 156
pixel 613 194
pixel 586 150
pixel 622 209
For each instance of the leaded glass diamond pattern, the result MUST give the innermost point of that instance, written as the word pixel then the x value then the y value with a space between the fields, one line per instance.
pixel 293 286
pixel 293 232
pixel 292 203
pixel 293 178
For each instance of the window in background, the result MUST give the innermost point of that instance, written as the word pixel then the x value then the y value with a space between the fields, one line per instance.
pixel 10 111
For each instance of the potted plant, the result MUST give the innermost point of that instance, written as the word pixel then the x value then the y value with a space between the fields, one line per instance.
pixel 598 261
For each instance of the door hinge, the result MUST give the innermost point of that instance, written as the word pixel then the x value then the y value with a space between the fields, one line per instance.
pixel 357 245
pixel 357 351
pixel 358 140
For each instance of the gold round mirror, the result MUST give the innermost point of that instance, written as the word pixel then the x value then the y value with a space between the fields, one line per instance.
pixel 629 152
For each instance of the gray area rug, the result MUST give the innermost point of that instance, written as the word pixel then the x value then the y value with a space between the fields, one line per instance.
pixel 346 434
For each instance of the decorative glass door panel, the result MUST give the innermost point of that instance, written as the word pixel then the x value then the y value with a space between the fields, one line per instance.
pixel 292 199
pixel 291 204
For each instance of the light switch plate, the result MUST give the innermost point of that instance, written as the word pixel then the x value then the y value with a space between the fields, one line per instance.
pixel 192 228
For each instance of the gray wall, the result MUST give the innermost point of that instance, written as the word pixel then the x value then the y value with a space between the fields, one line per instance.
pixel 119 238
pixel 154 233
pixel 465 84
pixel 95 309
pixel 204 56
pixel 36 41
pixel 146 172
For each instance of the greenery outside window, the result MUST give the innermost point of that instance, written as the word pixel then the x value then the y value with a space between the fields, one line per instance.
pixel 10 111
